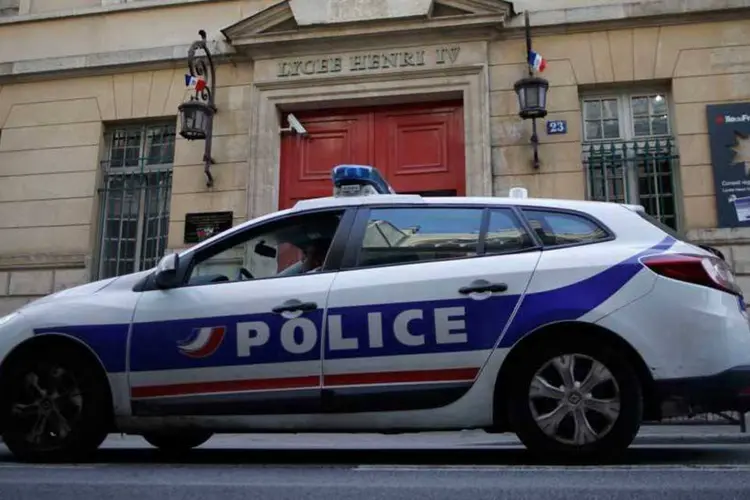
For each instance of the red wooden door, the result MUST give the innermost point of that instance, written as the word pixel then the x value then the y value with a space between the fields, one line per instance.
pixel 306 162
pixel 419 148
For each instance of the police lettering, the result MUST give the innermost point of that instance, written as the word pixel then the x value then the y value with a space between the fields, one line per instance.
pixel 251 334
pixel 300 335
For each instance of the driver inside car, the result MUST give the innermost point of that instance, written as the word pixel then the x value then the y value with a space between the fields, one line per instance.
pixel 313 256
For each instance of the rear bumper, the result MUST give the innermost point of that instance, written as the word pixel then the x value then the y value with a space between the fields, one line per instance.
pixel 725 391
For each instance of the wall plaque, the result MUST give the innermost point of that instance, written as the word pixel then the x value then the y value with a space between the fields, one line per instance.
pixel 200 226
pixel 729 136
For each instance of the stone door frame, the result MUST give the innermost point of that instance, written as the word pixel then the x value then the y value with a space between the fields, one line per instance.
pixel 270 98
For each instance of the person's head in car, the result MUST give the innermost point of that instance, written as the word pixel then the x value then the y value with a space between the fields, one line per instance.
pixel 314 254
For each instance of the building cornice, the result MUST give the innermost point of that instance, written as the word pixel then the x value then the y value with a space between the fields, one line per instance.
pixel 108 63
pixel 627 16
pixel 580 20
pixel 42 261
pixel 375 34
pixel 99 10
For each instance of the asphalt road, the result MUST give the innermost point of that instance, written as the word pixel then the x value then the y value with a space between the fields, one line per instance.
pixel 229 471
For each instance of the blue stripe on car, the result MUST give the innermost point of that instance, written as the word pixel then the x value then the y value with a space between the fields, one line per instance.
pixel 154 344
pixel 573 301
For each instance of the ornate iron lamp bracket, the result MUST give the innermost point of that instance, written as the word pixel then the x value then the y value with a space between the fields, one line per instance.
pixel 535 87
pixel 198 113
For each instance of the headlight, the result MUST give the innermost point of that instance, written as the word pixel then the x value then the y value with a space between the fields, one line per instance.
pixel 7 318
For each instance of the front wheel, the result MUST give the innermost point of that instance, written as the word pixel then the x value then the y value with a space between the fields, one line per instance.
pixel 575 401
pixel 56 406
pixel 176 442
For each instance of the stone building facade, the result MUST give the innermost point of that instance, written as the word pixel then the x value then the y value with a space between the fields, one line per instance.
pixel 94 181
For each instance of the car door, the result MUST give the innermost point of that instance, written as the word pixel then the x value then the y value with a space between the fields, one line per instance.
pixel 240 336
pixel 423 297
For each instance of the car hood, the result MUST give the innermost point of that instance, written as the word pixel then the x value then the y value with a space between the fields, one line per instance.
pixel 101 286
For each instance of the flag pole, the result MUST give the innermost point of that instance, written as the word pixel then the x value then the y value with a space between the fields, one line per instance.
pixel 534 135
pixel 528 40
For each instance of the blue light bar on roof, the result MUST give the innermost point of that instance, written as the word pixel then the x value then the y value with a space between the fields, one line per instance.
pixel 358 180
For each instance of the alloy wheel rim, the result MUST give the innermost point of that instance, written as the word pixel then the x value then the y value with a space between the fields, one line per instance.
pixel 47 406
pixel 574 399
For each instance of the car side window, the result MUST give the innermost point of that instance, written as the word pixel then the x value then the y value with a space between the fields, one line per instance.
pixel 413 235
pixel 563 228
pixel 506 234
pixel 294 246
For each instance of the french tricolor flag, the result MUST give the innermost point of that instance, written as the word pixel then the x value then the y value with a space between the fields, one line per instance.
pixel 194 82
pixel 536 61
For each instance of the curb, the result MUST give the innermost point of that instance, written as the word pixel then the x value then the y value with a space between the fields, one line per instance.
pixel 739 438
pixel 650 440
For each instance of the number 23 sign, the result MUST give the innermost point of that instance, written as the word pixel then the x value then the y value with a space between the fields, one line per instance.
pixel 557 127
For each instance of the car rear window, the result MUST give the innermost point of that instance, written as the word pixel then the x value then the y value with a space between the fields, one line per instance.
pixel 659 224
pixel 564 228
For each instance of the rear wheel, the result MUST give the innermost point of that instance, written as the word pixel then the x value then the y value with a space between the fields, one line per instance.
pixel 56 405
pixel 577 401
pixel 175 442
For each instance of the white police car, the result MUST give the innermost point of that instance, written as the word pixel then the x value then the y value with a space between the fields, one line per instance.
pixel 566 322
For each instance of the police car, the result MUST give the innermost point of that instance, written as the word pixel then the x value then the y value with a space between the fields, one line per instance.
pixel 568 323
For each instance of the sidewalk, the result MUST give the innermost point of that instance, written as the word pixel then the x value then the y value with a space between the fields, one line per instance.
pixel 650 435
pixel 692 434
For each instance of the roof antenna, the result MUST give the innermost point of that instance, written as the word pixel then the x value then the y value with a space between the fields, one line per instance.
pixel 519 193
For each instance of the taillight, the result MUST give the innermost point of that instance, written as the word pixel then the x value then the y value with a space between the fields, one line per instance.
pixel 712 272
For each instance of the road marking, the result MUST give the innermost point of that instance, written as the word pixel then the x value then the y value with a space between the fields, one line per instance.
pixel 47 466
pixel 552 468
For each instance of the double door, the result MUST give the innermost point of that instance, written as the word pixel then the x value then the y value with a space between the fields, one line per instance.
pixel 419 148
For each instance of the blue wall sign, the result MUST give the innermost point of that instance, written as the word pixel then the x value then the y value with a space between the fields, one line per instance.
pixel 729 136
pixel 557 127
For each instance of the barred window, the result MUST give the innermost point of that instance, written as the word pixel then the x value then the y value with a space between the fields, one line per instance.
pixel 135 197
pixel 629 153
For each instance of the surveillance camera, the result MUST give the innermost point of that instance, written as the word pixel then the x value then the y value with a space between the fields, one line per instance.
pixel 295 125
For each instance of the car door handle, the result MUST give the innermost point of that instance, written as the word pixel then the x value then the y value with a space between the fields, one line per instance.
pixel 295 305
pixel 482 286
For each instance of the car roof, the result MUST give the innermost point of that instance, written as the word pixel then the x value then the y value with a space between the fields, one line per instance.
pixel 397 199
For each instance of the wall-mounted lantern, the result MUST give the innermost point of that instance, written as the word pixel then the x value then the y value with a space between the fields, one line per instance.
pixel 532 97
pixel 197 114
pixel 532 93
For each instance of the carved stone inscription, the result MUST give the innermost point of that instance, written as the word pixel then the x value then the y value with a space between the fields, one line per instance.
pixel 367 62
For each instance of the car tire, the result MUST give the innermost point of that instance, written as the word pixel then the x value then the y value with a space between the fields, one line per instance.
pixel 582 422
pixel 177 442
pixel 56 408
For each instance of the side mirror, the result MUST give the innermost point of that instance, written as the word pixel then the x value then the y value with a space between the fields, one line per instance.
pixel 166 271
